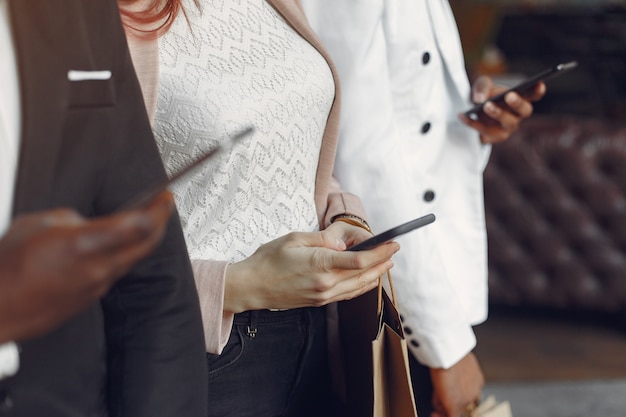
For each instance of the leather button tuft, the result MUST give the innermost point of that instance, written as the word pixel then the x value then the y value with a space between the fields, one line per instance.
pixel 425 127
pixel 429 196
pixel 6 403
pixel 415 343
pixel 425 58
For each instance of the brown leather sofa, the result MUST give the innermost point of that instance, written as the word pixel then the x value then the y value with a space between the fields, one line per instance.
pixel 556 216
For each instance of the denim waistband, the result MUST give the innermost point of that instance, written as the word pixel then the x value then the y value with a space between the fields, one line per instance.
pixel 277 316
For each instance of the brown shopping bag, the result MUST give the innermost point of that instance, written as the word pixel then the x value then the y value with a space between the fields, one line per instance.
pixel 375 357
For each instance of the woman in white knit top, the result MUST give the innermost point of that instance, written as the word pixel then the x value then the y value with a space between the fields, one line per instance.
pixel 227 65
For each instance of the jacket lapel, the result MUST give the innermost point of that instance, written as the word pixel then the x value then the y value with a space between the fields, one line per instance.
pixel 448 43
pixel 39 29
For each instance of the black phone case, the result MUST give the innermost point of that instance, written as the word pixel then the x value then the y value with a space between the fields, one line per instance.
pixel 392 233
pixel 525 85
pixel 148 195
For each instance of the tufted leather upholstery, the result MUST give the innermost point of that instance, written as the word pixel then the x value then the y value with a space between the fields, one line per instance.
pixel 556 216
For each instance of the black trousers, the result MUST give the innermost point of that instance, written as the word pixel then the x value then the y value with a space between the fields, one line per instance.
pixel 274 365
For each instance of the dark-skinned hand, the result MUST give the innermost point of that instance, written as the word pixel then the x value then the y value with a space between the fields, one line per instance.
pixel 55 264
pixel 496 122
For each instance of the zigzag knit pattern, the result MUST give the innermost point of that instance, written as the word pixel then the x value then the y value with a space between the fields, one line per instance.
pixel 230 65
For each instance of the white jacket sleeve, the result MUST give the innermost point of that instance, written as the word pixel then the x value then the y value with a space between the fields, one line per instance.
pixel 9 360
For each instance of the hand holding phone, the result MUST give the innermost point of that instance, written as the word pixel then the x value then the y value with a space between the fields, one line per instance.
pixel 393 233
pixel 151 193
pixel 524 87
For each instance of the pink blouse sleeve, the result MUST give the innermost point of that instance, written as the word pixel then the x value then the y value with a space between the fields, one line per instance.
pixel 210 278
pixel 341 202
pixel 145 56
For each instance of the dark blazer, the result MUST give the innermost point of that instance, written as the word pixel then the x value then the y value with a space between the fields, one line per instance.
pixel 88 145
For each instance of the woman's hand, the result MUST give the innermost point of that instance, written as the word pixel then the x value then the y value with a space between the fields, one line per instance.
pixel 306 269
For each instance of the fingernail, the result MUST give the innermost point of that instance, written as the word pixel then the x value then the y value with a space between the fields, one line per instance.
pixel 168 202
pixel 166 205
pixel 512 99
pixel 479 97
pixel 490 108
pixel 341 245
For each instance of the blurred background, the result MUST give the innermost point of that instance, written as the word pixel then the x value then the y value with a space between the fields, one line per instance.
pixel 555 341
pixel 513 38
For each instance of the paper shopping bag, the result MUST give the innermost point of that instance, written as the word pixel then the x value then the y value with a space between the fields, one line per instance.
pixel 375 357
pixel 491 408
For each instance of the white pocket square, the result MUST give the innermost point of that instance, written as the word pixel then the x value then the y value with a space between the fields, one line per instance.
pixel 77 75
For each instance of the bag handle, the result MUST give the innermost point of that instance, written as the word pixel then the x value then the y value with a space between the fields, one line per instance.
pixel 359 222
pixel 380 292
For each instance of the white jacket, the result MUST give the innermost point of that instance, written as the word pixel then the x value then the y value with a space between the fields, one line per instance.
pixel 403 150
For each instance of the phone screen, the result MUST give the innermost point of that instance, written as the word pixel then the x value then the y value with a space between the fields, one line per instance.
pixel 393 233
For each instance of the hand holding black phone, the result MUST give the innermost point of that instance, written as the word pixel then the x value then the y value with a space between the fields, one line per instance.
pixel 393 233
pixel 524 87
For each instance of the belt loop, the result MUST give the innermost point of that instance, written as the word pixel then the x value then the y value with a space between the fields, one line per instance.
pixel 252 329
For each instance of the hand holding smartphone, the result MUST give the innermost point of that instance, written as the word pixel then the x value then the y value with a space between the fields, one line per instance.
pixel 524 87
pixel 393 233
pixel 151 193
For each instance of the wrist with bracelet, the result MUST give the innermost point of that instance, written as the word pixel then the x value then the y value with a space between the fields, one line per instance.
pixel 353 220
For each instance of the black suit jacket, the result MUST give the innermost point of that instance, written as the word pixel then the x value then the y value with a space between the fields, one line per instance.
pixel 88 145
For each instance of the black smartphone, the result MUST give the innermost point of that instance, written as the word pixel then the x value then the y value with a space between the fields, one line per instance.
pixel 151 193
pixel 393 233
pixel 525 86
